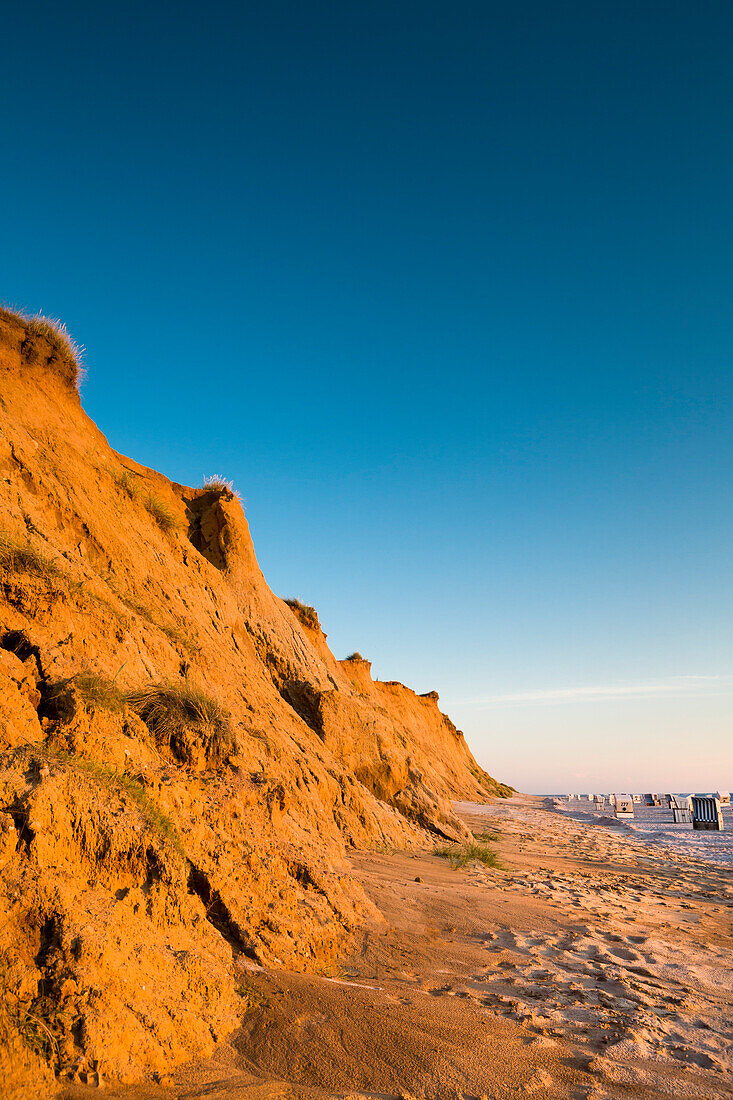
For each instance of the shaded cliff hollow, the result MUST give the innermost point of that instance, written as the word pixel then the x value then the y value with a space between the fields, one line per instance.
pixel 183 762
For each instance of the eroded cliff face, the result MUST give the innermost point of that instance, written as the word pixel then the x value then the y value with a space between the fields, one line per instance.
pixel 183 763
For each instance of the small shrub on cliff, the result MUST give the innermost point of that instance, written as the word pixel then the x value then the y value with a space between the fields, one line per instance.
pixel 160 512
pixel 467 853
pixel 305 614
pixel 187 721
pixel 18 556
pixel 355 656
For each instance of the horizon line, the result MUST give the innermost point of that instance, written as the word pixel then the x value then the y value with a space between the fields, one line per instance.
pixel 689 686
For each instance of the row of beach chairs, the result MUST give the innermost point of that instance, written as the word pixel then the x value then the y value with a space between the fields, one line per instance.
pixel 702 811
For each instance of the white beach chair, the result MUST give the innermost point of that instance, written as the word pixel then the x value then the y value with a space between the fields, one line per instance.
pixel 636 797
pixel 706 813
pixel 723 798
pixel 624 805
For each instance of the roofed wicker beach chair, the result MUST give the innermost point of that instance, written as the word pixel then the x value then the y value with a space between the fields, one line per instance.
pixel 706 813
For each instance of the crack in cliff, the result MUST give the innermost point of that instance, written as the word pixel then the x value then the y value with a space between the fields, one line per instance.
pixel 217 913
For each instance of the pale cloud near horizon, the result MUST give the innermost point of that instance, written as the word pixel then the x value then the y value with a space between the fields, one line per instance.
pixel 686 686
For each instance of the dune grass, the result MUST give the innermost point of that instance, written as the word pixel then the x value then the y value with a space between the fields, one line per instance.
pixel 66 355
pixel 462 855
pixel 98 692
pixel 306 615
pixel 215 483
pixel 160 512
pixel 126 482
pixel 18 556
pixel 179 714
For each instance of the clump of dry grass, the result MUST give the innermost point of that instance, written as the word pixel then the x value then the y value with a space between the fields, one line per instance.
pixel 125 481
pixel 98 692
pixel 460 856
pixel 66 355
pixel 18 556
pixel 160 512
pixel 355 656
pixel 218 484
pixel 184 719
pixel 305 614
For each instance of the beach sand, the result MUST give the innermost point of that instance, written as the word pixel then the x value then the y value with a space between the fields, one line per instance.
pixel 593 965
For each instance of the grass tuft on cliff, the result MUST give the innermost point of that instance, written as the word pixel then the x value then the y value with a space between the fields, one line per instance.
pixel 304 613
pixel 97 692
pixel 126 483
pixel 184 719
pixel 160 512
pixel 355 656
pixel 18 556
pixel 215 483
pixel 66 355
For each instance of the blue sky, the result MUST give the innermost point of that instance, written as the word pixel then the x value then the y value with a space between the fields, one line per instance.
pixel 445 289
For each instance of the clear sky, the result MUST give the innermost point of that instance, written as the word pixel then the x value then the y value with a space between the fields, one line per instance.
pixel 446 289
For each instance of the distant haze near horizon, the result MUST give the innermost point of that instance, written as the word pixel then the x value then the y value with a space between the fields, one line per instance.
pixel 445 290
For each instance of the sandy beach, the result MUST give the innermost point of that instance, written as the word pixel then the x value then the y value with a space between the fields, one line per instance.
pixel 593 964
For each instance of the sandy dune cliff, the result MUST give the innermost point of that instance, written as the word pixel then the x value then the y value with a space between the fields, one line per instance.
pixel 183 762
